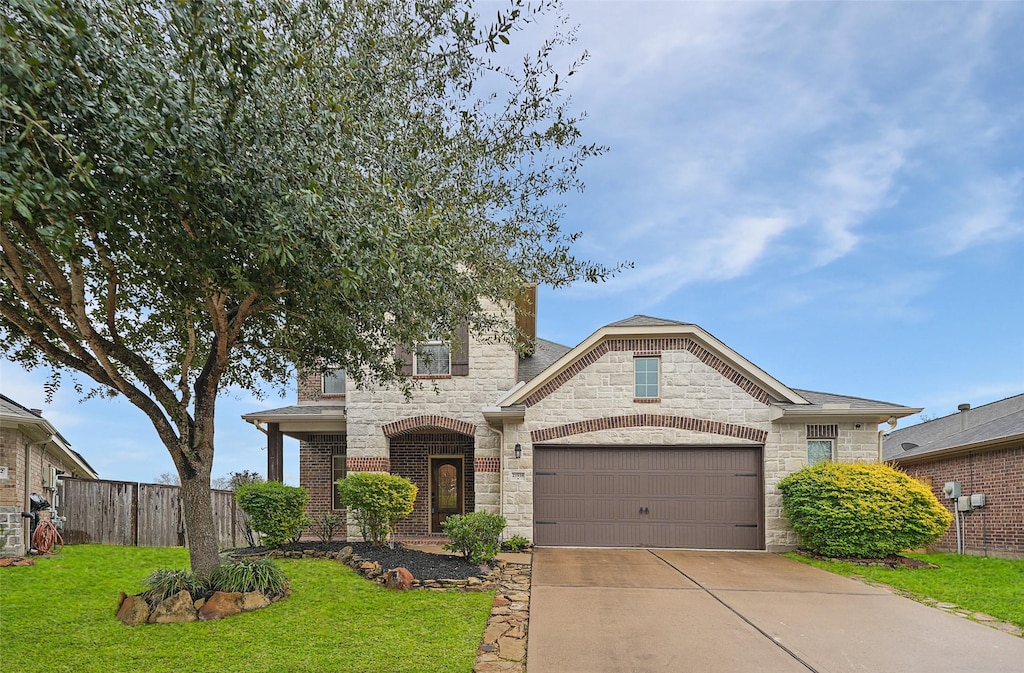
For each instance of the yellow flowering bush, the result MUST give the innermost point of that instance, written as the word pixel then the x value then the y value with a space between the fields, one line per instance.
pixel 861 510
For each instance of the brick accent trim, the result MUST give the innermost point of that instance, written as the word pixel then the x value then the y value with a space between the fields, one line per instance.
pixel 362 464
pixel 647 400
pixel 653 421
pixel 420 423
pixel 822 431
pixel 481 464
pixel 644 346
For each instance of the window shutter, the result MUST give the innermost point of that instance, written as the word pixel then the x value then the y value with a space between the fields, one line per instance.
pixel 460 351
pixel 404 355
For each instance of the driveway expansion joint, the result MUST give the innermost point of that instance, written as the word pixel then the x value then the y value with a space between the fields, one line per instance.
pixel 773 640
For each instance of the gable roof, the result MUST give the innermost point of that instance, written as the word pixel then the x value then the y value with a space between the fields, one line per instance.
pixel 644 321
pixel 748 376
pixel 38 428
pixel 988 426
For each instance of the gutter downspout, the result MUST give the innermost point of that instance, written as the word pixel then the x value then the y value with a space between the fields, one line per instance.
pixel 892 426
pixel 501 470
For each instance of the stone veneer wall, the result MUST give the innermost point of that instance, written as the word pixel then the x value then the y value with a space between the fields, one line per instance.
pixel 998 530
pixel 315 471
pixel 492 372
pixel 410 455
pixel 788 442
pixel 694 389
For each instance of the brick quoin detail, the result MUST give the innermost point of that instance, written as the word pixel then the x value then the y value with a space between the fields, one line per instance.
pixel 481 464
pixel 822 431
pixel 653 421
pixel 421 423
pixel 360 464
pixel 645 346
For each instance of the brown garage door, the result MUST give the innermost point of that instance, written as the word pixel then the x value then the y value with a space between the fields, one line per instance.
pixel 694 498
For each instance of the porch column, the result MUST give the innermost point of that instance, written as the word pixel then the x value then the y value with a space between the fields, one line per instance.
pixel 275 452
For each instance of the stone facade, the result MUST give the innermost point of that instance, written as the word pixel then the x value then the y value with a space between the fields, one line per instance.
pixel 786 452
pixel 708 397
pixel 391 433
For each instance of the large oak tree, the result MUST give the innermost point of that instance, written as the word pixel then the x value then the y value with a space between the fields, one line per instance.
pixel 197 194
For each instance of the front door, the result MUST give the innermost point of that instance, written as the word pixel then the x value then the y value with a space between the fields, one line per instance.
pixel 445 490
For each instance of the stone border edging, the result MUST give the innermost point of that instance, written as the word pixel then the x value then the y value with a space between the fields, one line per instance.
pixel 503 649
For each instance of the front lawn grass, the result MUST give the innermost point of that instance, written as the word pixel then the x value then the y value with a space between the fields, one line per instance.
pixel 990 585
pixel 59 616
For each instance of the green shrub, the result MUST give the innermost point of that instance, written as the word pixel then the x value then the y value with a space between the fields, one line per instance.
pixel 274 509
pixel 249 575
pixel 326 526
pixel 861 510
pixel 515 543
pixel 475 535
pixel 377 501
pixel 164 583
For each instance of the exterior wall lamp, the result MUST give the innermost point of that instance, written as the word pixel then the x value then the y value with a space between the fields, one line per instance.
pixel 519 450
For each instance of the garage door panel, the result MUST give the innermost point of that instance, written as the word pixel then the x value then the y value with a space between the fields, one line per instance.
pixel 615 484
pixel 701 498
pixel 625 510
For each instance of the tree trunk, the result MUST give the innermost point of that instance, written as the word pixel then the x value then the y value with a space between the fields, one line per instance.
pixel 202 535
pixel 194 467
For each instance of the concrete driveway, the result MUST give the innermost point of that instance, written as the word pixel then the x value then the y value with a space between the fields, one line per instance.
pixel 594 610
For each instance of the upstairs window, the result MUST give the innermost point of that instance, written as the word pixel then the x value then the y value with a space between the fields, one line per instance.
pixel 433 358
pixel 334 382
pixel 646 378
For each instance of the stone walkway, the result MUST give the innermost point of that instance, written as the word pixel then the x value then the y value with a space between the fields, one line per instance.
pixel 503 649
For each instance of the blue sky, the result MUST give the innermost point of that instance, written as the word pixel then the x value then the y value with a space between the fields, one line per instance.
pixel 836 191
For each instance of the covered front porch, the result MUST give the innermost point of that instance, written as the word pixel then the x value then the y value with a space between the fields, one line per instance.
pixel 322 433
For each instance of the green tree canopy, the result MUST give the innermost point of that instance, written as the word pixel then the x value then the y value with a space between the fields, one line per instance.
pixel 198 194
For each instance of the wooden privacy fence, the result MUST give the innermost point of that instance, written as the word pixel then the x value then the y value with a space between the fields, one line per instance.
pixel 145 515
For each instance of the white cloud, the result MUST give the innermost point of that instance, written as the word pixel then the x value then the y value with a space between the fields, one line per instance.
pixel 990 210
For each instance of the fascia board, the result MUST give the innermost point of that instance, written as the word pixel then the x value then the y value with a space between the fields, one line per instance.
pixel 817 414
pixel 953 451
pixel 734 359
pixel 40 429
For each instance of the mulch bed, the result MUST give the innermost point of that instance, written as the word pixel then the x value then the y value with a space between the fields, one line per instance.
pixel 890 561
pixel 423 565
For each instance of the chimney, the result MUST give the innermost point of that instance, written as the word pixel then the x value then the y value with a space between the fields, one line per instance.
pixel 963 409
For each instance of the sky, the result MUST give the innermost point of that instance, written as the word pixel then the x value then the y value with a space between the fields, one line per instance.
pixel 834 190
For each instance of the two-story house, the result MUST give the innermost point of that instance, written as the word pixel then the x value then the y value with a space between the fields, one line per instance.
pixel 650 432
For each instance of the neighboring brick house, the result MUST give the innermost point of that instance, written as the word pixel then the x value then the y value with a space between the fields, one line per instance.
pixel 982 449
pixel 650 432
pixel 28 439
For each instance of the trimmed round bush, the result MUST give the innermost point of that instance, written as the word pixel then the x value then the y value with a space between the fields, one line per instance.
pixel 475 535
pixel 376 501
pixel 274 509
pixel 861 510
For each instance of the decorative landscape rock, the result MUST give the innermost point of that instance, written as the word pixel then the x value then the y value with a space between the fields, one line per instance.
pixel 132 610
pixel 174 609
pixel 398 578
pixel 183 607
pixel 220 605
